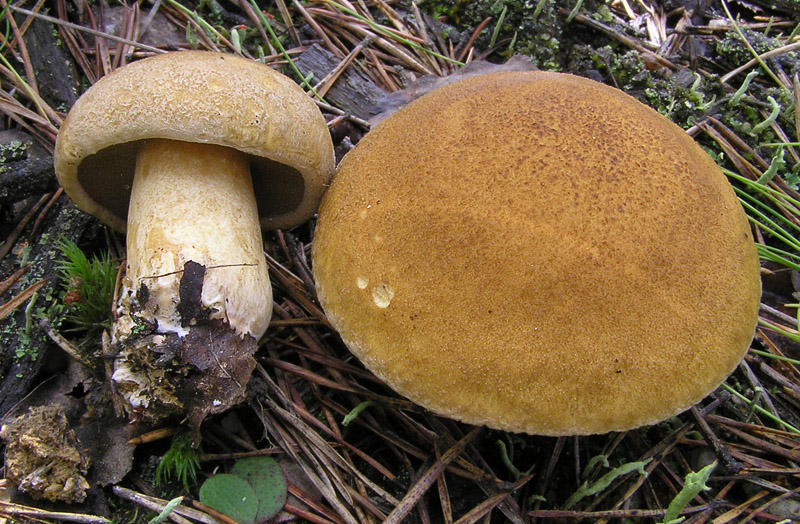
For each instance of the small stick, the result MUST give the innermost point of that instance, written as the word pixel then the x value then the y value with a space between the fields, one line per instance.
pixel 575 516
pixel 416 492
pixel 6 284
pixel 213 513
pixel 152 436
pixel 719 449
pixel 472 38
pixel 12 238
pixel 108 357
pixel 156 504
pixel 46 209
pixel 16 510
pixel 326 83
pixel 9 307
pixel 68 347
pixel 93 32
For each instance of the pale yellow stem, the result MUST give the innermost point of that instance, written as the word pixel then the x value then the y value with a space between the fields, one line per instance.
pixel 195 202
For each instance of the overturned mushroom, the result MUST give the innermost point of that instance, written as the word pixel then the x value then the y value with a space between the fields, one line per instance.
pixel 540 253
pixel 192 153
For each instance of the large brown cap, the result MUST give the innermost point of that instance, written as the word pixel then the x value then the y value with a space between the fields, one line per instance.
pixel 204 97
pixel 539 253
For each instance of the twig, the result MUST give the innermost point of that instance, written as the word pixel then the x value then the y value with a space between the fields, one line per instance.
pixel 792 321
pixel 16 510
pixel 719 449
pixel 763 507
pixel 218 515
pixel 468 46
pixel 490 503
pixel 93 32
pixel 326 83
pixel 156 504
pixel 575 516
pixel 287 21
pixel 19 42
pixel 9 307
pixel 153 436
pixel 14 235
pixel 583 19
pixel 307 18
pixel 48 206
pixel 67 346
pixel 6 284
pixel 413 495
pixel 307 515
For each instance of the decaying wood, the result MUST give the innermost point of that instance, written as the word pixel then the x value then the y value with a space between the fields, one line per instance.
pixel 26 349
pixel 353 92
pixel 54 72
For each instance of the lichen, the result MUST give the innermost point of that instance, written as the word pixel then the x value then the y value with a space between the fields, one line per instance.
pixel 14 150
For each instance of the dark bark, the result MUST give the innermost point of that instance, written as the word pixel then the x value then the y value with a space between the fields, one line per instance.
pixel 56 79
pixel 354 92
pixel 26 168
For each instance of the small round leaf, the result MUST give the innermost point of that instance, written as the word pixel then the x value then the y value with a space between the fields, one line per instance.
pixel 231 495
pixel 264 474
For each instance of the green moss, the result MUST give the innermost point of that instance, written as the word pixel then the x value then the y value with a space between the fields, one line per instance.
pixel 528 27
pixel 735 53
pixel 25 333
pixel 89 284
pixel 604 14
pixel 683 96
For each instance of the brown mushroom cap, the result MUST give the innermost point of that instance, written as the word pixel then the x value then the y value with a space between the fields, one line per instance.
pixel 540 253
pixel 204 97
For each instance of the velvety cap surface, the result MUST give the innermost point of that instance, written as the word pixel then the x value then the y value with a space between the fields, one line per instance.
pixel 204 97
pixel 539 253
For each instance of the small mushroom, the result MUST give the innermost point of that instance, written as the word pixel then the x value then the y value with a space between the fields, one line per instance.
pixel 193 153
pixel 538 252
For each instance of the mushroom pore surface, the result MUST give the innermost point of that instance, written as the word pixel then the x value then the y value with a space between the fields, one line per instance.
pixel 539 253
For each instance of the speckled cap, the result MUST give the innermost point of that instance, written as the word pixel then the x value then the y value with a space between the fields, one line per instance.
pixel 203 97
pixel 540 253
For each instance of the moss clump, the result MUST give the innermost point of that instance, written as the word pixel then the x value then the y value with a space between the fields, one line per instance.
pixel 683 96
pixel 624 70
pixel 528 27
pixel 734 53
pixel 89 286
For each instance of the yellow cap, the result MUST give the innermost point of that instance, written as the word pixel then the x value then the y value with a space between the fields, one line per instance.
pixel 538 252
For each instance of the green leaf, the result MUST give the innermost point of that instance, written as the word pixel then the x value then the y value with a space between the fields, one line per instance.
pixel 231 495
pixel 266 478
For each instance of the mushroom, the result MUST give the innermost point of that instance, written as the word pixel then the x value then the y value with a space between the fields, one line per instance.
pixel 544 255
pixel 193 153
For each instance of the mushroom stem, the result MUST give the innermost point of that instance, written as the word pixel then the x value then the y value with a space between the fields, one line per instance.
pixel 195 202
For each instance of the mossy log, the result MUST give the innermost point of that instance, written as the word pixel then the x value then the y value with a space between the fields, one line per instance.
pixel 25 350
